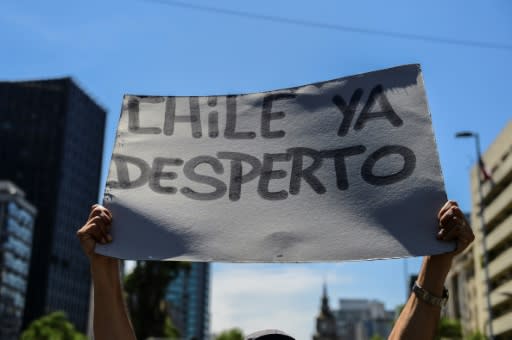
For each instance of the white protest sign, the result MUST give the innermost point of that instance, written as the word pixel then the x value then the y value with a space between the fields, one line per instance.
pixel 339 170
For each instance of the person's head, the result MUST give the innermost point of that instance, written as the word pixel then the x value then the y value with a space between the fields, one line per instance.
pixel 269 334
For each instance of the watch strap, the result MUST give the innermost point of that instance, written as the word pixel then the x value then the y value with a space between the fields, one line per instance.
pixel 429 298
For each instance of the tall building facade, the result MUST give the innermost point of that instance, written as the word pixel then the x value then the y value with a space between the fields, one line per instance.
pixel 188 296
pixel 17 217
pixel 51 142
pixel 467 278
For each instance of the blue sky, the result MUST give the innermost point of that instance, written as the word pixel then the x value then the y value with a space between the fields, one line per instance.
pixel 149 47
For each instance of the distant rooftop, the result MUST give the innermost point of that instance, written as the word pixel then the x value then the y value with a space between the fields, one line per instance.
pixel 10 191
pixel 47 84
pixel 8 187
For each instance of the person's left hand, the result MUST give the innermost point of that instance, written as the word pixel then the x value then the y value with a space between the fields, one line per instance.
pixel 454 227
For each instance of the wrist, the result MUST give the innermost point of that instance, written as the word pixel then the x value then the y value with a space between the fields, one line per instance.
pixel 103 265
pixel 440 264
pixel 433 273
pixel 98 259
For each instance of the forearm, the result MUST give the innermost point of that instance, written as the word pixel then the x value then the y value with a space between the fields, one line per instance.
pixel 419 319
pixel 110 315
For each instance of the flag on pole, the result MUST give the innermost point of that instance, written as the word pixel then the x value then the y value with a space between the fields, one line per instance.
pixel 484 171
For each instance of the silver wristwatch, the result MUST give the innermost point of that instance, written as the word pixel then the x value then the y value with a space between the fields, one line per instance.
pixel 424 295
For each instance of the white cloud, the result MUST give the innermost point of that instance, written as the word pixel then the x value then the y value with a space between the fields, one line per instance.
pixel 129 266
pixel 255 296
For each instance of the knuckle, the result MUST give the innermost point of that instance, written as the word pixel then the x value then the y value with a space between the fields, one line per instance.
pixel 105 216
pixel 81 232
pixel 97 210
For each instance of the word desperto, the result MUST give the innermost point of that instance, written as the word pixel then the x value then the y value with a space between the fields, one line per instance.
pixel 245 168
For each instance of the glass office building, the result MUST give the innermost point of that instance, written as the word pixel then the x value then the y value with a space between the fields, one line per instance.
pixel 188 296
pixel 16 225
pixel 51 145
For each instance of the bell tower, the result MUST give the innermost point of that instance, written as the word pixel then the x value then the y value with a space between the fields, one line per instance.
pixel 325 321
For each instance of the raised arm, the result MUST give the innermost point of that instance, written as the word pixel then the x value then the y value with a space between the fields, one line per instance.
pixel 111 319
pixel 420 317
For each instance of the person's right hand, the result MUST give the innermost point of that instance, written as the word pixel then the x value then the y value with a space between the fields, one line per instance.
pixel 96 229
pixel 453 226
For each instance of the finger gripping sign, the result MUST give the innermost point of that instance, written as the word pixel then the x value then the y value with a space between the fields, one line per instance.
pixel 338 170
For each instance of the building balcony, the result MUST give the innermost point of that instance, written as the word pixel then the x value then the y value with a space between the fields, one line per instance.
pixel 500 263
pixel 500 233
pixel 502 324
pixel 501 172
pixel 498 205
pixel 499 294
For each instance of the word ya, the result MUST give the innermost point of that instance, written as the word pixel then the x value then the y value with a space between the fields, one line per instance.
pixel 347 111
pixel 245 168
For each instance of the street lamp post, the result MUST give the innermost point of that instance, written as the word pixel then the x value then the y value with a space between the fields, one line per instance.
pixel 475 135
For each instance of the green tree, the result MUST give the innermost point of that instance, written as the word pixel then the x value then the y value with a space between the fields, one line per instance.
pixel 398 311
pixel 476 336
pixel 449 329
pixel 230 334
pixel 377 337
pixel 145 288
pixel 54 326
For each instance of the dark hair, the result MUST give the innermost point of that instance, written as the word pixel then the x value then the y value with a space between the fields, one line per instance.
pixel 269 334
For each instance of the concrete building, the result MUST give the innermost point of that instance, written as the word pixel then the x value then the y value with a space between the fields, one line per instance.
pixel 16 225
pixel 462 290
pixel 356 319
pixel 462 304
pixel 360 319
pixel 188 296
pixel 466 281
pixel 51 137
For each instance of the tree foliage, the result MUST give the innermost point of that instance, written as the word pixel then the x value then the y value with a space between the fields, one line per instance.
pixel 476 336
pixel 449 329
pixel 54 326
pixel 377 337
pixel 146 288
pixel 230 334
pixel 398 311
